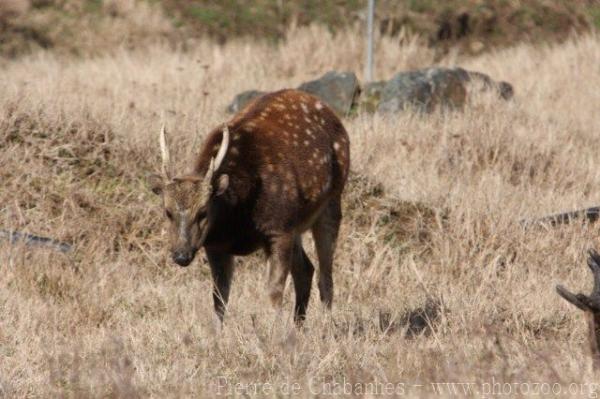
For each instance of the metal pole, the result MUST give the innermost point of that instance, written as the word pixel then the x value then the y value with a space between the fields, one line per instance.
pixel 369 64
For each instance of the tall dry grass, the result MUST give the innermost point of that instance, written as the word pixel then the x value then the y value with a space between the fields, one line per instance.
pixel 435 279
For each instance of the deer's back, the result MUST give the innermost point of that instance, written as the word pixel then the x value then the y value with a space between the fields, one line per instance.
pixel 288 155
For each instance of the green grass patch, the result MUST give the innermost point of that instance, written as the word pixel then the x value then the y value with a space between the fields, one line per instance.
pixel 594 13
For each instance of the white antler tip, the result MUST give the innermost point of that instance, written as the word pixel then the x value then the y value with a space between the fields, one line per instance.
pixel 164 149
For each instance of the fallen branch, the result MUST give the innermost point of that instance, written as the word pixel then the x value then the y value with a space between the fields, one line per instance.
pixel 589 214
pixel 32 240
pixel 590 304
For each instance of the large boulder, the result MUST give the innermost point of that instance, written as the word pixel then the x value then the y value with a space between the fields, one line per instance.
pixel 504 89
pixel 338 89
pixel 424 90
pixel 242 99
pixel 431 88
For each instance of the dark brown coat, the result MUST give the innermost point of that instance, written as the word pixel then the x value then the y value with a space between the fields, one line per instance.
pixel 286 161
pixel 288 156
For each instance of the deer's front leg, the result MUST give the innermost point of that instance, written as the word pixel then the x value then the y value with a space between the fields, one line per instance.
pixel 221 267
pixel 280 263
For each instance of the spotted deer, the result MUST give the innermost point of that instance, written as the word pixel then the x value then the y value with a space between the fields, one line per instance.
pixel 274 171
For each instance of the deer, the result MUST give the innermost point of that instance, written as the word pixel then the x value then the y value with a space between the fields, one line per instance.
pixel 590 304
pixel 274 171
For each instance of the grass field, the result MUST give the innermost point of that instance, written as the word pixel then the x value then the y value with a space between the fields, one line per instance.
pixel 435 279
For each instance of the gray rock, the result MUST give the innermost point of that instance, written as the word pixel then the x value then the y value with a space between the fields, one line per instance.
pixel 428 89
pixel 424 89
pixel 242 99
pixel 504 89
pixel 370 95
pixel 338 89
pixel 373 89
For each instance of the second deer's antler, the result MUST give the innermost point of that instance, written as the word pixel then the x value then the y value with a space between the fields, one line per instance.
pixel 590 304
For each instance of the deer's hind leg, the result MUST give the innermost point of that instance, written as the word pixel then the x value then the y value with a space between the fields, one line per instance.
pixel 281 255
pixel 302 274
pixel 325 232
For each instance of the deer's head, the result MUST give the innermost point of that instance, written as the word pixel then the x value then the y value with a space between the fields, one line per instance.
pixel 187 201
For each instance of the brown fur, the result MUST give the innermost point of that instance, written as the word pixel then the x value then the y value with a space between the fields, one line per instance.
pixel 287 164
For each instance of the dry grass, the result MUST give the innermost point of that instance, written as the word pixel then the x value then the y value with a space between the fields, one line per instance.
pixel 82 27
pixel 435 280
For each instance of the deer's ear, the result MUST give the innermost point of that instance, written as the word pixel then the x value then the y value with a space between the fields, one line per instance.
pixel 222 184
pixel 156 183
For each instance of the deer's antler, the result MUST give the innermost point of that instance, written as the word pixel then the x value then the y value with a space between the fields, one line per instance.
pixel 590 304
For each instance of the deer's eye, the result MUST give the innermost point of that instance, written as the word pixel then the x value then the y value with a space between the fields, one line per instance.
pixel 168 214
pixel 200 215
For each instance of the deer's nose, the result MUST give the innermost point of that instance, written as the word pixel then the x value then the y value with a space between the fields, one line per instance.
pixel 183 258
